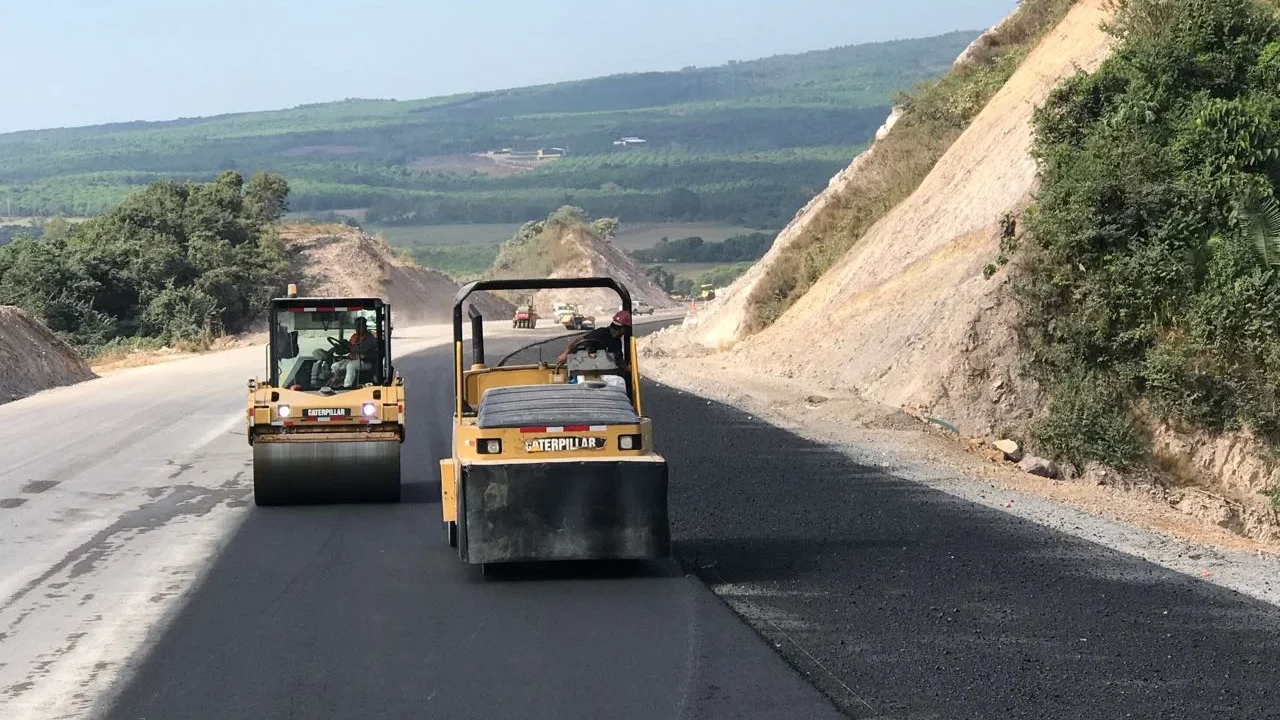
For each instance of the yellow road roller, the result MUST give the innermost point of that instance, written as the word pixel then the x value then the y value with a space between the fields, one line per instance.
pixel 327 423
pixel 552 461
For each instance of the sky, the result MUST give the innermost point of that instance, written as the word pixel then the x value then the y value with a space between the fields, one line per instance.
pixel 84 62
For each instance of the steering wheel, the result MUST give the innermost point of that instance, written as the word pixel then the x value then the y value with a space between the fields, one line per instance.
pixel 340 345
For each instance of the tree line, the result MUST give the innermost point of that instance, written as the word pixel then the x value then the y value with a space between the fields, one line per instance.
pixel 173 261
pixel 694 249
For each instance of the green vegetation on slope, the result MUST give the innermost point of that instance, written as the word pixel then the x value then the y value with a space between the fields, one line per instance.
pixel 933 116
pixel 746 143
pixel 694 250
pixel 686 282
pixel 460 262
pixel 176 261
pixel 541 246
pixel 1144 293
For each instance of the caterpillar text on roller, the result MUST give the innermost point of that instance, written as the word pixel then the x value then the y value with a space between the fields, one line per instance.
pixel 327 423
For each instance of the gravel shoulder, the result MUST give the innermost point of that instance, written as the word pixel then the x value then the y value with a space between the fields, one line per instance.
pixel 870 434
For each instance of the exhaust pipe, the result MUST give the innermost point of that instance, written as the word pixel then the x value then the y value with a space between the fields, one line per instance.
pixel 477 335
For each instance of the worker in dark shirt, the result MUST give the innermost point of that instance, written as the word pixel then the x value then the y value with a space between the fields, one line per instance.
pixel 608 338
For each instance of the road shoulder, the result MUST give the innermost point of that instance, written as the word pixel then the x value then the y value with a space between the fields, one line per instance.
pixel 888 439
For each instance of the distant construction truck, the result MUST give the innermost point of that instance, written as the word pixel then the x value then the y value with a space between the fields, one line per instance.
pixel 526 317
pixel 571 318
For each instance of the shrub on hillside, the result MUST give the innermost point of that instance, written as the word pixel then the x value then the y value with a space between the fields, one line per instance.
pixel 738 248
pixel 933 116
pixel 539 247
pixel 174 261
pixel 1142 276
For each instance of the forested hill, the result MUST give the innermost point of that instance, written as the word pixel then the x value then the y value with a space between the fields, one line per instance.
pixel 746 142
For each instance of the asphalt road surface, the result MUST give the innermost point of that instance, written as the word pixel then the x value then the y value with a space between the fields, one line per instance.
pixel 895 600
pixel 901 601
pixel 364 612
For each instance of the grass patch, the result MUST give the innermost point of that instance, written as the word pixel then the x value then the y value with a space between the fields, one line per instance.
pixel 933 116
pixel 120 350
pixel 629 236
pixel 686 278
pixel 460 262
pixel 445 236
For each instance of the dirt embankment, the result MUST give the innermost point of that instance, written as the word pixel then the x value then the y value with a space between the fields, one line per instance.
pixel 721 323
pixel 907 320
pixel 339 261
pixel 907 317
pixel 563 250
pixel 33 358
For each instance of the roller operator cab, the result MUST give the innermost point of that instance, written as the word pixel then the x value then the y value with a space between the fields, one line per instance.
pixel 551 462
pixel 327 423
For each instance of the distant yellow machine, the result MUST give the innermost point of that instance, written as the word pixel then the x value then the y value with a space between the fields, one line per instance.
pixel 326 425
pixel 569 316
pixel 551 463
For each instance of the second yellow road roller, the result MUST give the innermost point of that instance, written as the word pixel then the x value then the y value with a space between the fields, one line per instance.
pixel 553 462
pixel 327 422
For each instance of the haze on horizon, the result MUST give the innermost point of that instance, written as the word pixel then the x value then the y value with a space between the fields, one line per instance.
pixel 78 62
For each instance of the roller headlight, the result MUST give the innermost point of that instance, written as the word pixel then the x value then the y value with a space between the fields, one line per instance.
pixel 369 409
pixel 628 442
pixel 283 410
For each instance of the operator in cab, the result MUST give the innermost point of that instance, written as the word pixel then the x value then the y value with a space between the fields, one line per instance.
pixel 609 338
pixel 364 349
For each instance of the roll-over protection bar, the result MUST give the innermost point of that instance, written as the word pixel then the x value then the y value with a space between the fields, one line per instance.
pixel 477 320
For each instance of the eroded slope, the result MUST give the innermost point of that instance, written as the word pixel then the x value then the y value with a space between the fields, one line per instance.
pixel 906 316
pixel 33 358
pixel 567 245
pixel 338 261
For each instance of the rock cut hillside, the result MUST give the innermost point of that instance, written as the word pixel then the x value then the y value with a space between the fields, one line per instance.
pixel 336 260
pixel 568 245
pixel 906 316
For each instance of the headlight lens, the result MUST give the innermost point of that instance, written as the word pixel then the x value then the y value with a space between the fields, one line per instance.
pixel 369 409
pixel 283 410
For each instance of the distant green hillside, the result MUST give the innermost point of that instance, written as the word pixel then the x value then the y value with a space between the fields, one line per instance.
pixel 746 143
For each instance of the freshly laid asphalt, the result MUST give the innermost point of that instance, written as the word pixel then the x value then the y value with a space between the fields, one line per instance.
pixel 894 600
pixel 365 612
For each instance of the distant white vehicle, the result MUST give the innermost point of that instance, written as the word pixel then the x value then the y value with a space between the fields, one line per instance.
pixel 640 307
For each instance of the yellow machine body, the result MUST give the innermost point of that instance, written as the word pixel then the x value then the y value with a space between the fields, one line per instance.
pixel 551 463
pixel 315 439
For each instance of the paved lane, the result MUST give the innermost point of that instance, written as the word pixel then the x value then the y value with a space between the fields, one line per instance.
pixel 365 612
pixel 898 601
